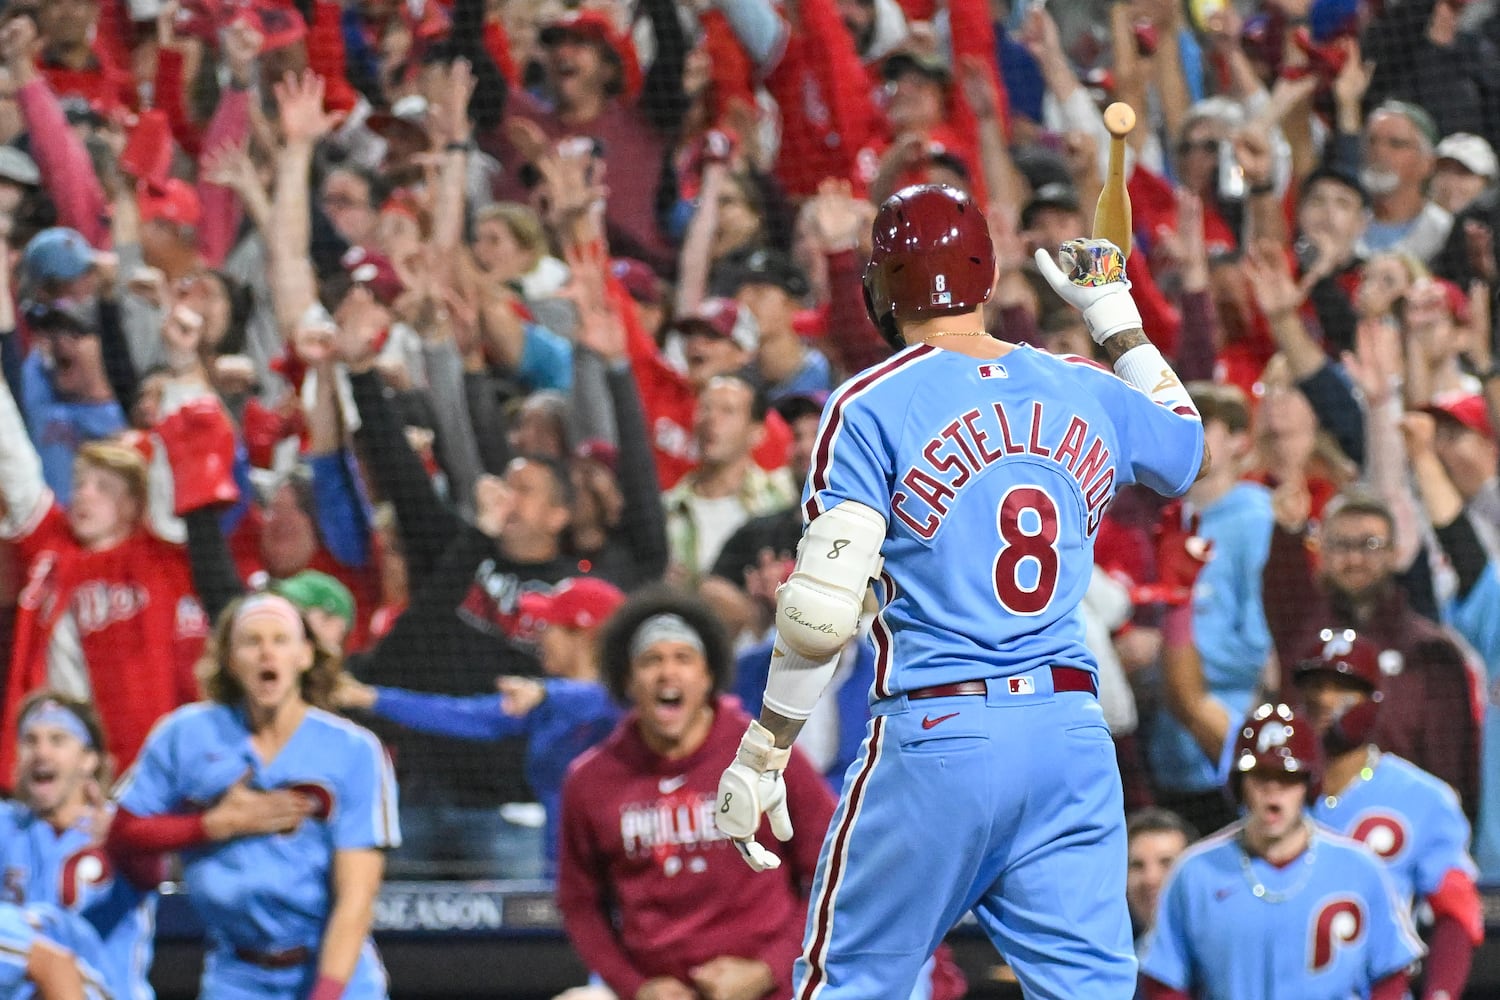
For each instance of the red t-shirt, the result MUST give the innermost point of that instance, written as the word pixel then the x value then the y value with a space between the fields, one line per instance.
pixel 638 839
pixel 139 622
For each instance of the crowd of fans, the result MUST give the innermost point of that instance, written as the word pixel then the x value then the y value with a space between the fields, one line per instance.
pixel 458 324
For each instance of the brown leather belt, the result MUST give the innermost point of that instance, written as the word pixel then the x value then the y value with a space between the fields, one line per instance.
pixel 290 958
pixel 1063 679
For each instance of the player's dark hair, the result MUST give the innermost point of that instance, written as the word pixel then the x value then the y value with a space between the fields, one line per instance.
pixel 1359 502
pixel 1154 819
pixel 618 632
pixel 86 713
pixel 1225 403
pixel 217 680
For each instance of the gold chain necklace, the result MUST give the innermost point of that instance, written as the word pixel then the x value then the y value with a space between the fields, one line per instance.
pixel 945 333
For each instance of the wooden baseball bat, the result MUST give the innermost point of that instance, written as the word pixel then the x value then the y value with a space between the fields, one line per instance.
pixel 1112 214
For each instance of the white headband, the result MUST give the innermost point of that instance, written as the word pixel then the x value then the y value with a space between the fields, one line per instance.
pixel 664 628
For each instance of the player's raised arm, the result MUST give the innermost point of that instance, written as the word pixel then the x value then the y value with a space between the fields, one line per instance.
pixel 1095 284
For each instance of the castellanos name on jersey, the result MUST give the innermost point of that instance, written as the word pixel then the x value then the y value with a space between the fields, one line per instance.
pixel 995 474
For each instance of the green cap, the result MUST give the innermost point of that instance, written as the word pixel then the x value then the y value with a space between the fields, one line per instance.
pixel 310 589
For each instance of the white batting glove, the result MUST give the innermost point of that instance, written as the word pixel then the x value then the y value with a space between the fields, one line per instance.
pixel 1092 280
pixel 750 788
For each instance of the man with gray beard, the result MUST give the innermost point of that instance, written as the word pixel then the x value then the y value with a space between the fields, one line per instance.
pixel 1398 147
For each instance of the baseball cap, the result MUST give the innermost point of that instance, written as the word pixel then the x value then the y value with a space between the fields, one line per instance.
pixel 18 167
pixel 758 267
pixel 1051 195
pixel 279 24
pixel 723 318
pixel 171 201
pixel 58 254
pixel 595 26
pixel 1470 152
pixel 598 450
pixel 408 114
pixel 1329 172
pixel 311 589
pixel 375 272
pixel 800 404
pixel 1470 411
pixel 930 65
pixel 639 281
pixel 578 602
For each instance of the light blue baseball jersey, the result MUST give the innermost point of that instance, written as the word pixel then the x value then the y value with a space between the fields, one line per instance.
pixel 1475 619
pixel 21 927
pixel 993 476
pixel 1229 630
pixel 71 870
pixel 17 935
pixel 266 893
pixel 1231 927
pixel 1410 820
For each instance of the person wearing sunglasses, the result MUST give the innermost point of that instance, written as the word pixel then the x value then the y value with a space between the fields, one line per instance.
pixel 1346 575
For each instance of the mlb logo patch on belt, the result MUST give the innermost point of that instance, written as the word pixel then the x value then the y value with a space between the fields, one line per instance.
pixel 1021 685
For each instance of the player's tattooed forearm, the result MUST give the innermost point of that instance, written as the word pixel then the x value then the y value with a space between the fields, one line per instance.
pixel 1116 346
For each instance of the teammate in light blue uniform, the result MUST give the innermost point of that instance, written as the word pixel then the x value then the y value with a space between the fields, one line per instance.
pixel 1473 615
pixel 287 913
pixel 50 850
pixel 967 477
pixel 45 952
pixel 1275 907
pixel 1410 819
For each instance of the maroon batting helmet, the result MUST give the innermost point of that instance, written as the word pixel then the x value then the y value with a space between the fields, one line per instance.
pixel 1344 653
pixel 1274 739
pixel 932 256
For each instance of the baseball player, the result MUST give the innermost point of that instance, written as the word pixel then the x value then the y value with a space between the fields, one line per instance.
pixel 33 965
pixel 51 837
pixel 966 476
pixel 1274 905
pixel 1410 819
pixel 280 810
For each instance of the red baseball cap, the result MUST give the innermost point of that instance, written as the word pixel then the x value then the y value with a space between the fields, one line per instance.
pixel 375 272
pixel 639 281
pixel 719 317
pixel 171 200
pixel 595 26
pixel 1470 411
pixel 579 602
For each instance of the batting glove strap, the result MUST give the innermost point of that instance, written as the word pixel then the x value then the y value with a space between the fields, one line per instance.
pixel 759 752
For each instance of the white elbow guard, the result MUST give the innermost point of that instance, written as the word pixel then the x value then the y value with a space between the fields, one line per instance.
pixel 817 609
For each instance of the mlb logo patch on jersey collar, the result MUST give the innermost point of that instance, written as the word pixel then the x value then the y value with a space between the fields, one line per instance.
pixel 993 371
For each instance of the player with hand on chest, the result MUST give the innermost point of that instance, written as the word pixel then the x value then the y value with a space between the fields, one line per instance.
pixel 280 809
pixel 1275 907
pixel 1411 820
pixel 52 841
